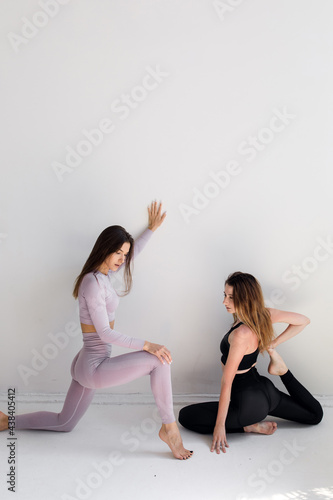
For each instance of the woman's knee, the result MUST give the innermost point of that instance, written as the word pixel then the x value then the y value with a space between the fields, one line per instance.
pixel 199 417
pixel 68 428
pixel 70 424
pixel 318 415
pixel 185 418
pixel 156 364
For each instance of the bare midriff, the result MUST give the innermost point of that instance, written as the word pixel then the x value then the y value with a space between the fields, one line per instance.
pixel 91 328
pixel 241 371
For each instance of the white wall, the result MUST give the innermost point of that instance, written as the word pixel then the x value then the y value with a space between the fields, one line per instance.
pixel 226 72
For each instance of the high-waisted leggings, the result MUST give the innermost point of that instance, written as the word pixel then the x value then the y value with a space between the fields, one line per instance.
pixel 253 397
pixel 92 369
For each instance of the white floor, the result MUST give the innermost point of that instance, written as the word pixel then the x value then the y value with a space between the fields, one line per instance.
pixel 114 452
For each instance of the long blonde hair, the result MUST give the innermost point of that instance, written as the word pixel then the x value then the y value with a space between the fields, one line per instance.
pixel 250 307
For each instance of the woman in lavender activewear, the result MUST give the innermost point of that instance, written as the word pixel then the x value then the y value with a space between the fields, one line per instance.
pixel 93 368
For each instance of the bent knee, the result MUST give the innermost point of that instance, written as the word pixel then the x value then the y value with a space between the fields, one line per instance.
pixel 318 416
pixel 68 427
pixel 156 363
pixel 184 418
pixel 192 420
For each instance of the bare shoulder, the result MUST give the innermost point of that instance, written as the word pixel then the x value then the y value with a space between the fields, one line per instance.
pixel 242 334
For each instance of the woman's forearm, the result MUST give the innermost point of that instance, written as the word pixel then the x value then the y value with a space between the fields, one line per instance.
pixel 289 332
pixel 223 403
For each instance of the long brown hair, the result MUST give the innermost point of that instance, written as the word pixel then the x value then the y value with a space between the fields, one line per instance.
pixel 109 241
pixel 250 307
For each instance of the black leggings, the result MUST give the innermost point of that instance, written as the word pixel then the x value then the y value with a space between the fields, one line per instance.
pixel 253 397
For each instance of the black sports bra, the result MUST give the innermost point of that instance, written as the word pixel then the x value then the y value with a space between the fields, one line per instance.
pixel 248 359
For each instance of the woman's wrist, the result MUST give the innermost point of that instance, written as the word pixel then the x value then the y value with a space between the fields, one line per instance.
pixel 273 344
pixel 220 423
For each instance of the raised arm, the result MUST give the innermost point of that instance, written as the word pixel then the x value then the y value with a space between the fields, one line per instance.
pixel 140 243
pixel 155 219
pixel 297 323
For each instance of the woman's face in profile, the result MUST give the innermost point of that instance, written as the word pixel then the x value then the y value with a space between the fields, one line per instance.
pixel 228 299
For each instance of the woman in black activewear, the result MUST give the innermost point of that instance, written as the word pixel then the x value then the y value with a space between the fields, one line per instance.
pixel 246 397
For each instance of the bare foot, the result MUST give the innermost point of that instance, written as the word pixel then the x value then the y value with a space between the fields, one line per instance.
pixel 169 433
pixel 276 366
pixel 3 421
pixel 262 428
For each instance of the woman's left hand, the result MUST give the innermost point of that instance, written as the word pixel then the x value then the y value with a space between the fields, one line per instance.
pixel 159 351
pixel 155 216
pixel 219 439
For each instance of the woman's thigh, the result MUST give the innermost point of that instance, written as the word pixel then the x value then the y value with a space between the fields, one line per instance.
pixel 122 369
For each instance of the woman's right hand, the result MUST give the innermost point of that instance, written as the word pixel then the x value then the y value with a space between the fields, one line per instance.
pixel 155 216
pixel 158 350
pixel 219 439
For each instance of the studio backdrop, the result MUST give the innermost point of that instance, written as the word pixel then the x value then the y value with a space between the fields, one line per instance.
pixel 222 110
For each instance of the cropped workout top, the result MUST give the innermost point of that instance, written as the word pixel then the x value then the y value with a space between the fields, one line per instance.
pixel 98 302
pixel 248 359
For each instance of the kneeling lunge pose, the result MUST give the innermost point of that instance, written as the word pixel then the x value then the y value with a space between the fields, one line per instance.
pixel 93 367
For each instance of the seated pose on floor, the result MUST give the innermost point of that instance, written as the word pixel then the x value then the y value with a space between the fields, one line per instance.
pixel 246 397
pixel 92 367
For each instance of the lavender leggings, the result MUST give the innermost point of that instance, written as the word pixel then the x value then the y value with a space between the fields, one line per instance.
pixel 92 369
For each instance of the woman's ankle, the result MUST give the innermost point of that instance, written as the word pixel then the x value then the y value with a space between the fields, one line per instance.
pixel 170 427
